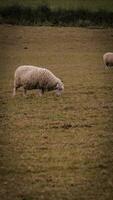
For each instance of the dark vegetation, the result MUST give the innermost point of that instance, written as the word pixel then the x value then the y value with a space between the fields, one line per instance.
pixel 43 15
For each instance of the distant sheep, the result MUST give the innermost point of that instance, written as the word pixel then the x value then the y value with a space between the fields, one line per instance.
pixel 31 77
pixel 108 59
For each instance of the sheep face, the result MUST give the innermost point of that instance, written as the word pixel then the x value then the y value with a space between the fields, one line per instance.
pixel 108 59
pixel 59 88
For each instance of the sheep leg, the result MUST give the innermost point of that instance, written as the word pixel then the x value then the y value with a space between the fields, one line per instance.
pixel 15 88
pixel 24 92
pixel 40 92
pixel 107 67
pixel 14 91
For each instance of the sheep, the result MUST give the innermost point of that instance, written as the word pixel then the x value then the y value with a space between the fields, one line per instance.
pixel 108 59
pixel 32 77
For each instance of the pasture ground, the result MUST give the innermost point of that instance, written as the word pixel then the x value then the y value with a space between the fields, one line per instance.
pixel 57 147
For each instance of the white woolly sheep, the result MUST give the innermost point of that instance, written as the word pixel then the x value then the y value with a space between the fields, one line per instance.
pixel 31 77
pixel 108 59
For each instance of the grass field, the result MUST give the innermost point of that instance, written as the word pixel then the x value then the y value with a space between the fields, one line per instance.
pixel 65 4
pixel 57 147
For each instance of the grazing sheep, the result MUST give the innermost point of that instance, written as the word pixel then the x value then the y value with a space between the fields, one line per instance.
pixel 108 59
pixel 31 77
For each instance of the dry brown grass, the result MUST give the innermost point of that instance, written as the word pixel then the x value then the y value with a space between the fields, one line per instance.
pixel 50 147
